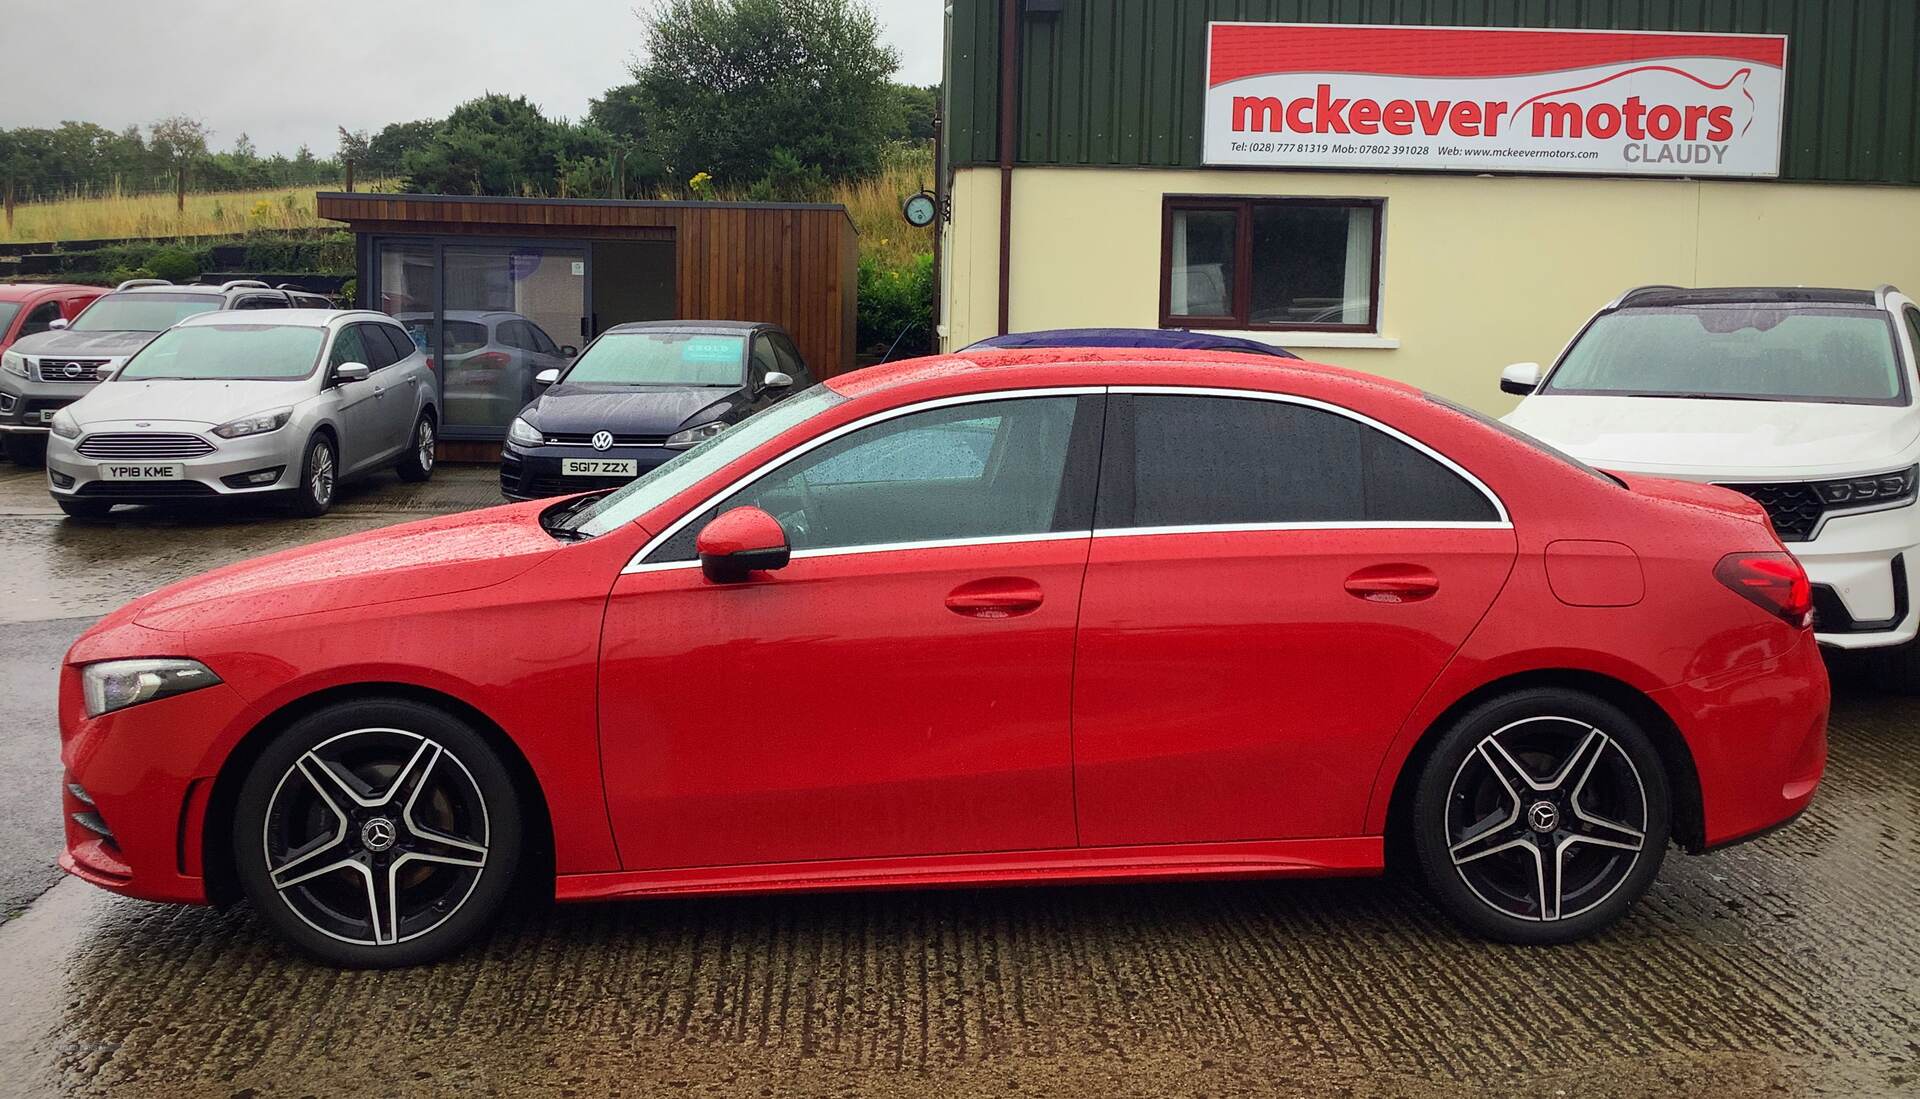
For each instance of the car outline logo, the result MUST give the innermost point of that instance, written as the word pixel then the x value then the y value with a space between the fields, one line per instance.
pixel 602 440
pixel 378 834
pixel 72 370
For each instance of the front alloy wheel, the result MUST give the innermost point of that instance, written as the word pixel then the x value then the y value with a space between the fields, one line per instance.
pixel 1541 819
pixel 377 834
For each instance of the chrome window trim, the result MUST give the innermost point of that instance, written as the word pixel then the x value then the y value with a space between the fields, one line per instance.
pixel 638 562
pixel 1504 521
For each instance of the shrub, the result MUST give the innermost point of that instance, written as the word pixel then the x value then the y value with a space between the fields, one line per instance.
pixel 896 308
pixel 174 264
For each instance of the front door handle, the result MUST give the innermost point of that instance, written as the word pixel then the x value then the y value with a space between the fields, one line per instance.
pixel 995 597
pixel 1395 583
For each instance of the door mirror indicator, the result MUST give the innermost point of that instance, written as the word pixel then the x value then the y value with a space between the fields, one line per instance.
pixel 546 377
pixel 776 380
pixel 1520 379
pixel 741 541
pixel 351 372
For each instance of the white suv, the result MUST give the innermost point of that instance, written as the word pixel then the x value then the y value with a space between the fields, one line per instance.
pixel 1803 399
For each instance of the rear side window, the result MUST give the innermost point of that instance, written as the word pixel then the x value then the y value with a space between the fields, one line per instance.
pixel 396 338
pixel 379 351
pixel 1177 461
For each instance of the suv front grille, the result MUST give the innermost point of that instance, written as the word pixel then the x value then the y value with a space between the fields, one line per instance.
pixel 71 370
pixel 143 446
pixel 1794 507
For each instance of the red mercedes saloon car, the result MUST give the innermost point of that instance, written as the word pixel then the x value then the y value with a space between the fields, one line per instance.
pixel 1003 617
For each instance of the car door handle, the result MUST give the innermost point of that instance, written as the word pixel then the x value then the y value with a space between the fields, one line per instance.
pixel 995 597
pixel 1396 583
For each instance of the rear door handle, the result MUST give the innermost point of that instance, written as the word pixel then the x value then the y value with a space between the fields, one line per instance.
pixel 1395 583
pixel 996 597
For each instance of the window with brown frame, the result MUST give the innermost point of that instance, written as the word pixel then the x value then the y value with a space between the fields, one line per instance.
pixel 1272 263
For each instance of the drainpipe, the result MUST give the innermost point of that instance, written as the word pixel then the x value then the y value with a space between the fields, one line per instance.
pixel 1009 128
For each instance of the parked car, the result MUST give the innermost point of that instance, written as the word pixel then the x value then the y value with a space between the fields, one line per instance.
pixel 981 619
pixel 640 394
pixel 1801 398
pixel 1171 338
pixel 43 373
pixel 284 403
pixel 30 308
pixel 490 361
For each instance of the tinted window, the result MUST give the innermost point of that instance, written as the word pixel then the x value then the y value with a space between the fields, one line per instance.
pixel 379 351
pixel 541 342
pixel 996 468
pixel 347 348
pixel 39 320
pixel 260 301
pixel 1200 461
pixel 791 362
pixel 515 334
pixel 764 360
pixel 401 343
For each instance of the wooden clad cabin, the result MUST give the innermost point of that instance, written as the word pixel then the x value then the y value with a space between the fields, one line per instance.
pixel 498 288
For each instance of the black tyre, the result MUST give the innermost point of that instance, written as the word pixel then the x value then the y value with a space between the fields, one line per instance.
pixel 25 450
pixel 85 509
pixel 378 833
pixel 1895 670
pixel 416 464
pixel 319 478
pixel 1541 816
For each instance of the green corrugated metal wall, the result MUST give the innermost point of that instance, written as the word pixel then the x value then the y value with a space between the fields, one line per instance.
pixel 1120 82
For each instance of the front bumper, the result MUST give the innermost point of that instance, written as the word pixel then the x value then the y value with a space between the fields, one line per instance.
pixel 531 473
pixel 26 405
pixel 73 476
pixel 1758 736
pixel 1862 567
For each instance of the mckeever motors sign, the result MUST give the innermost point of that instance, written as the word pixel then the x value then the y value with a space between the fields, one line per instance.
pixel 1459 99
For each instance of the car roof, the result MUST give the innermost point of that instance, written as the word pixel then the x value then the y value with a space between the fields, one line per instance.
pixel 26 291
pixel 1652 297
pixel 304 318
pixel 713 327
pixel 1062 365
pixel 1131 337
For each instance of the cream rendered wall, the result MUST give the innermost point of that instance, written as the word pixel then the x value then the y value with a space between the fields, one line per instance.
pixel 1478 271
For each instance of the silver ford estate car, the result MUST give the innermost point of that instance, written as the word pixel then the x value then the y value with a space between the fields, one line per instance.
pixel 283 402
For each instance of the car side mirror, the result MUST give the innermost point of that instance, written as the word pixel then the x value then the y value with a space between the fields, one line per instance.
pixel 351 372
pixel 741 541
pixel 546 377
pixel 568 351
pixel 776 379
pixel 56 324
pixel 1520 379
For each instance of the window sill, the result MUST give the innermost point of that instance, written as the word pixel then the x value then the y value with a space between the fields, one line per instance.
pixel 1307 338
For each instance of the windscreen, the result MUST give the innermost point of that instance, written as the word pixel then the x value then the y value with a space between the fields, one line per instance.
pixel 1737 352
pixel 143 312
pixel 254 352
pixel 662 358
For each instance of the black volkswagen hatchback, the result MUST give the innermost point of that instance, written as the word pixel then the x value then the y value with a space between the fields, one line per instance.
pixel 638 395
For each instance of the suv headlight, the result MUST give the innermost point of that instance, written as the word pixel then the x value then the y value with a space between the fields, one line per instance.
pixel 64 424
pixel 688 438
pixel 1877 490
pixel 258 424
pixel 14 364
pixel 524 433
pixel 117 684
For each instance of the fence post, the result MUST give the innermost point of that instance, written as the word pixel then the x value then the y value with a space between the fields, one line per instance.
pixel 349 175
pixel 619 179
pixel 180 189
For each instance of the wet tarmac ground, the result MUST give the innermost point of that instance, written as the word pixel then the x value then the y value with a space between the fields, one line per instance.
pixel 1787 966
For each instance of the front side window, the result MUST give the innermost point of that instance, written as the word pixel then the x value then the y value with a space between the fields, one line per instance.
pixel 790 360
pixel 348 347
pixel 1178 461
pixel 40 320
pixel 143 312
pixel 765 361
pixel 1271 263
pixel 1831 355
pixel 662 358
pixel 231 352
pixel 982 470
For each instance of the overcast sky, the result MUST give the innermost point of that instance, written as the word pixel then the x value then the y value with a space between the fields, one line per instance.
pixel 286 72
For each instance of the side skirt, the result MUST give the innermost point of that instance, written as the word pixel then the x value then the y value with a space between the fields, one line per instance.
pixel 1351 856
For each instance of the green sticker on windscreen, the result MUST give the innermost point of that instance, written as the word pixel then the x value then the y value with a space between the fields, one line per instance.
pixel 711 349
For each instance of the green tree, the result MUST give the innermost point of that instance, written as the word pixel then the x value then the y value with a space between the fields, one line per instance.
pixel 388 149
pixel 913 106
pixel 726 83
pixel 498 145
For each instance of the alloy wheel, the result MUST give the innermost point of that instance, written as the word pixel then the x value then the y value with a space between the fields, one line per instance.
pixel 320 480
pixel 376 836
pixel 1546 818
pixel 424 445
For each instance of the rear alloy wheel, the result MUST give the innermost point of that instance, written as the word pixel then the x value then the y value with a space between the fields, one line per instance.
pixel 319 477
pixel 417 463
pixel 1541 817
pixel 378 834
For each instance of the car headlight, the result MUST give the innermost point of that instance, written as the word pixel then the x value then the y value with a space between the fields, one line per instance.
pixel 117 684
pixel 64 425
pixel 1877 490
pixel 524 433
pixel 258 424
pixel 14 364
pixel 688 438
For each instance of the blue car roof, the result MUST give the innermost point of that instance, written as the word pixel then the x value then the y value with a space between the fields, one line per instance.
pixel 1132 337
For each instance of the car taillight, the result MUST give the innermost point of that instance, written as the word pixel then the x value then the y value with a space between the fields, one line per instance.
pixel 1774 582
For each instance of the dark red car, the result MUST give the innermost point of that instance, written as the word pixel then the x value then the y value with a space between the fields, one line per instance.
pixel 27 308
pixel 1005 617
